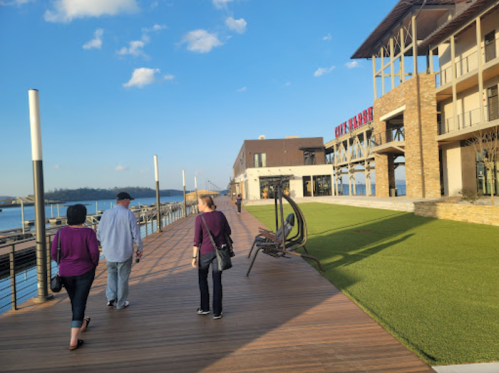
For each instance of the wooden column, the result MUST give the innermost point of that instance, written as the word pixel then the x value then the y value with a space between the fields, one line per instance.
pixel 453 70
pixel 415 45
pixel 431 61
pixel 392 62
pixel 402 55
pixel 382 52
pixel 480 67
pixel 374 78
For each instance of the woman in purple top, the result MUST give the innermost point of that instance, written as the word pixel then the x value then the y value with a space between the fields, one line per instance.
pixel 78 259
pixel 204 254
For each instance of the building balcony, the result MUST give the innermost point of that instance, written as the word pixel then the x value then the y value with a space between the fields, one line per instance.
pixel 462 127
pixel 466 71
pixel 389 141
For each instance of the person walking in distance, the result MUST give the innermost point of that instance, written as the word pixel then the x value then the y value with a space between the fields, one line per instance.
pixel 204 254
pixel 118 231
pixel 239 200
pixel 79 256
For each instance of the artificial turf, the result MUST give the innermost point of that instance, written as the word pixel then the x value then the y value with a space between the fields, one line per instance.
pixel 434 284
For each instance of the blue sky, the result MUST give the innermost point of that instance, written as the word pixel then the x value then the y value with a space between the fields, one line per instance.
pixel 188 80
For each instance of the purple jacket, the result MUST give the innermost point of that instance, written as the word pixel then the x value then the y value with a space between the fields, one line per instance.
pixel 79 251
pixel 218 225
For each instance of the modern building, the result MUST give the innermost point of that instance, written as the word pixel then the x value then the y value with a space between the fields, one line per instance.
pixel 299 162
pixel 435 82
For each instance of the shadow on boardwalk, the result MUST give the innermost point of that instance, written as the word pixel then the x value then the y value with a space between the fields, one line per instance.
pixel 284 318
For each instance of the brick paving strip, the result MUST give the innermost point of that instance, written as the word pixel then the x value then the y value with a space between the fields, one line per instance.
pixel 285 317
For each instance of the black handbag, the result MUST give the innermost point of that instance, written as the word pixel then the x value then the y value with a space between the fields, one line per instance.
pixel 223 252
pixel 56 280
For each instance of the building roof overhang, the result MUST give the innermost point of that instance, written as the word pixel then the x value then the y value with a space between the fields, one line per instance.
pixel 453 25
pixel 396 15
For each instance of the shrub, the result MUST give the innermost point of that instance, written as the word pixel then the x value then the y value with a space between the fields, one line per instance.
pixel 470 195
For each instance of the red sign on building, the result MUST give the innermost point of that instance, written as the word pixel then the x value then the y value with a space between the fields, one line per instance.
pixel 353 123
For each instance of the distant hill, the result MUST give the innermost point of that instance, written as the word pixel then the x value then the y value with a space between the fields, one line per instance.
pixel 6 197
pixel 85 194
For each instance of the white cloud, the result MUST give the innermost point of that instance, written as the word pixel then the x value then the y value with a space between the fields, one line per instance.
pixel 243 89
pixel 57 166
pixel 141 77
pixel 121 168
pixel 352 64
pixel 96 42
pixel 169 77
pixel 287 84
pixel 154 28
pixel 201 41
pixel 328 37
pixel 144 171
pixel 221 3
pixel 323 70
pixel 237 25
pixel 67 10
pixel 135 48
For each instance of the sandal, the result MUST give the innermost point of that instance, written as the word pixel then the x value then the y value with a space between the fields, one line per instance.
pixel 72 348
pixel 87 319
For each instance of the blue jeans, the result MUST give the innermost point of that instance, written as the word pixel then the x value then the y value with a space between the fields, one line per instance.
pixel 78 288
pixel 204 266
pixel 117 281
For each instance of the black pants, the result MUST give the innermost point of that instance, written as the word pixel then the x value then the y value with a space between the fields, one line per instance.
pixel 78 288
pixel 238 207
pixel 204 266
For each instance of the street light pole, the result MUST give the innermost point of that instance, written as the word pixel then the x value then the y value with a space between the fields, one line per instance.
pixel 41 239
pixel 158 204
pixel 185 202
pixel 196 186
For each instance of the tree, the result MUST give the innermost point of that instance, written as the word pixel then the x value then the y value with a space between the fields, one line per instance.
pixel 486 145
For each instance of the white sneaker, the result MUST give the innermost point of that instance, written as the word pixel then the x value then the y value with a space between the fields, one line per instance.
pixel 125 305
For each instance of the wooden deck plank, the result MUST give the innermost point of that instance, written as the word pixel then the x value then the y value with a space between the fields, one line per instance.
pixel 285 317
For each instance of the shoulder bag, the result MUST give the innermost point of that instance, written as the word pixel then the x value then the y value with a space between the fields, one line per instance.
pixel 56 281
pixel 223 252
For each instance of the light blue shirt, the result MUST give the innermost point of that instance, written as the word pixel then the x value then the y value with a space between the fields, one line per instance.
pixel 118 230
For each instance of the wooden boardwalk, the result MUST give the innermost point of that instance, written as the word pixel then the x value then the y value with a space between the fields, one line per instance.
pixel 285 317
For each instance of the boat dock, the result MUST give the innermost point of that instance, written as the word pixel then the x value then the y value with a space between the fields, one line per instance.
pixel 285 317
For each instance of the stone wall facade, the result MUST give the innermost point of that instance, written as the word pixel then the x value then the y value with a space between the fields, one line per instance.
pixel 480 214
pixel 421 147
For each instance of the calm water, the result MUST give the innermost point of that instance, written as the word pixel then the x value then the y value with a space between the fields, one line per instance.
pixel 360 189
pixel 11 217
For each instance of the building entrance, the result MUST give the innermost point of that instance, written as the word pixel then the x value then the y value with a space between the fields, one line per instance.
pixel 487 178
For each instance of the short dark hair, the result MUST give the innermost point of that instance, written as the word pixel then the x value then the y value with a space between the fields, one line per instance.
pixel 77 214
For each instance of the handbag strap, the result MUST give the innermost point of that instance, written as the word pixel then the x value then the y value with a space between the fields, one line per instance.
pixel 209 233
pixel 58 246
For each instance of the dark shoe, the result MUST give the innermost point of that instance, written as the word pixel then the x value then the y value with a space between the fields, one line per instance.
pixel 201 312
pixel 216 317
pixel 80 343
pixel 87 319
pixel 110 303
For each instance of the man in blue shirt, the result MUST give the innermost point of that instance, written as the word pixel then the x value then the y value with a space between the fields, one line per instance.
pixel 117 232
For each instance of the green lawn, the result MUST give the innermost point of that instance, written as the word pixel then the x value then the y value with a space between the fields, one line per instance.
pixel 434 284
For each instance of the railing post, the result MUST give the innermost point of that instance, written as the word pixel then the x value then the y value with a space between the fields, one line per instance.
pixel 145 221
pixel 13 291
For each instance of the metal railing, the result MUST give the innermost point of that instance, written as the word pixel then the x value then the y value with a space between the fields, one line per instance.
pixel 469 119
pixel 391 135
pixel 467 64
pixel 18 269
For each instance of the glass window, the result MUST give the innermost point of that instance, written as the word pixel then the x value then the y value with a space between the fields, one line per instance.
pixel 268 186
pixel 322 185
pixel 260 159
pixel 493 103
pixel 308 157
pixel 490 46
pixel 307 187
